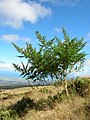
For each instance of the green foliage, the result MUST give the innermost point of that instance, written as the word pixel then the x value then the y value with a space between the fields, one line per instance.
pixel 23 105
pixel 82 86
pixel 70 56
pixel 8 115
pixel 55 58
pixel 13 114
pixel 59 97
pixel 79 86
pixel 71 87
pixel 41 104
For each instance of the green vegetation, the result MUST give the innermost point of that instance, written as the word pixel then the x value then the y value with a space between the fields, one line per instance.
pixel 80 86
pixel 65 100
pixel 78 101
pixel 23 105
pixel 55 58
pixel 8 115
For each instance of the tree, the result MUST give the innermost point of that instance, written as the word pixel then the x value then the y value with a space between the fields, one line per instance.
pixel 69 56
pixel 39 62
pixel 55 58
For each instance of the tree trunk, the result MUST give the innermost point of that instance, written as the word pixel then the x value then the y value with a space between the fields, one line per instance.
pixel 65 86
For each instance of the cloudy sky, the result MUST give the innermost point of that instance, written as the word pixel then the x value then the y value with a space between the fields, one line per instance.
pixel 19 19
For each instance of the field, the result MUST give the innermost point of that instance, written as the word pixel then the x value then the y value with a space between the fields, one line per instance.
pixel 71 108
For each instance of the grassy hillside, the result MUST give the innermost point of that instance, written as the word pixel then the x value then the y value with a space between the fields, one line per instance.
pixel 45 103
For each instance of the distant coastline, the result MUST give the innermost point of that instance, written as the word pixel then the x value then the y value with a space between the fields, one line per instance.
pixel 9 81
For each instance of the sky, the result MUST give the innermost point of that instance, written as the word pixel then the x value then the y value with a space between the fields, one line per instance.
pixel 19 19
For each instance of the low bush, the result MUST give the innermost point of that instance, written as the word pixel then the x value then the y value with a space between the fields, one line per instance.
pixel 71 87
pixel 41 104
pixel 8 115
pixel 23 105
pixel 59 97
pixel 80 86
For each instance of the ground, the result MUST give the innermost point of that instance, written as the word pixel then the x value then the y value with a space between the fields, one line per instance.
pixel 69 109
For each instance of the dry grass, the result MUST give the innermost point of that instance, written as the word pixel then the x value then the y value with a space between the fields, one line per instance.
pixel 9 97
pixel 69 109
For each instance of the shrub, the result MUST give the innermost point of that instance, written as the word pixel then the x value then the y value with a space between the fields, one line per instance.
pixel 41 104
pixel 8 115
pixel 71 87
pixel 4 115
pixel 58 97
pixel 23 105
pixel 80 86
pixel 13 114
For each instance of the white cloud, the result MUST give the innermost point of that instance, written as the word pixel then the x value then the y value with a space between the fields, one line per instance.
pixel 14 12
pixel 88 37
pixel 87 63
pixel 62 2
pixel 58 29
pixel 86 68
pixel 6 66
pixel 13 37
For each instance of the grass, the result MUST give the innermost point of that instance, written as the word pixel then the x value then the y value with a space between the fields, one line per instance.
pixel 74 107
pixel 13 95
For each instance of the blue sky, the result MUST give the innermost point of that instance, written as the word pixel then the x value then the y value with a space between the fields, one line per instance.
pixel 19 19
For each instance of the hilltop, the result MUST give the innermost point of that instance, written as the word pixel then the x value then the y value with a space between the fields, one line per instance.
pixel 44 103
